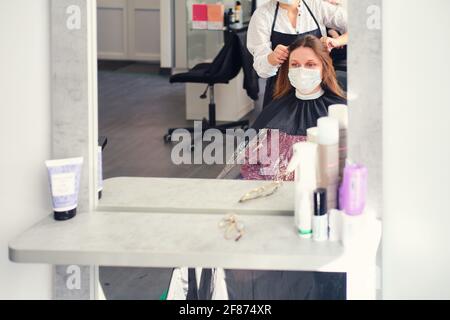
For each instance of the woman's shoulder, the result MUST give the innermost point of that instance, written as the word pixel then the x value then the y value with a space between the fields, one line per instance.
pixel 332 98
pixel 273 108
pixel 260 18
pixel 317 7
pixel 314 5
pixel 266 9
pixel 283 101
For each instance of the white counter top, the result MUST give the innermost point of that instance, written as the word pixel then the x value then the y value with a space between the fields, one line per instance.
pixel 136 226
pixel 192 195
pixel 170 240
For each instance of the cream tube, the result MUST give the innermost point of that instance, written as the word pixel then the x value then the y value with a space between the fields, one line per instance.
pixel 64 178
pixel 340 113
pixel 304 160
pixel 328 139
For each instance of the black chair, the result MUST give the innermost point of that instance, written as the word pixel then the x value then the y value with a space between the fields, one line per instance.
pixel 225 67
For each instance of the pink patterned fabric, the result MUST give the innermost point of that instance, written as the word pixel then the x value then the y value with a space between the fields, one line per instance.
pixel 252 170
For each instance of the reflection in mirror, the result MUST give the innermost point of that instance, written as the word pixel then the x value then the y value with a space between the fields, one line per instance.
pixel 253 83
pixel 140 102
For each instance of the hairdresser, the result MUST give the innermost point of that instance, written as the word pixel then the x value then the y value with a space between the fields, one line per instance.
pixel 278 23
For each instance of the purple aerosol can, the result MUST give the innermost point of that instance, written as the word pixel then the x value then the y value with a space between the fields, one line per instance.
pixel 353 191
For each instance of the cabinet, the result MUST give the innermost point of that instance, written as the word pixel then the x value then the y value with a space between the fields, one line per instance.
pixel 128 30
pixel 231 99
pixel 203 45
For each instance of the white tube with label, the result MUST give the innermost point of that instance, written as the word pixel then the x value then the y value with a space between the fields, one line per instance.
pixel 304 161
pixel 328 140
pixel 335 224
pixel 64 179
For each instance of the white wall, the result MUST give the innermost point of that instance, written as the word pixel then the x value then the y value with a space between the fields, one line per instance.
pixel 416 222
pixel 24 138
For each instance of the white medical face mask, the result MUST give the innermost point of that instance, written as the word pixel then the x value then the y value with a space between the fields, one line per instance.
pixel 305 80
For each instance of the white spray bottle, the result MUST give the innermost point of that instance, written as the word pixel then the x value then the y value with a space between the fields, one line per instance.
pixel 304 163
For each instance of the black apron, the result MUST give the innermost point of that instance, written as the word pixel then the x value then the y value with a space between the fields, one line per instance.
pixel 285 39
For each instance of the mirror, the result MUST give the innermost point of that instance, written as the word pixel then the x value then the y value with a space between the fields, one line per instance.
pixel 137 104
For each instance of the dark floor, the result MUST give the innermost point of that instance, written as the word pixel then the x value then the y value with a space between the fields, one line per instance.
pixel 136 106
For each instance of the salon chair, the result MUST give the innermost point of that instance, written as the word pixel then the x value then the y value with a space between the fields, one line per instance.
pixel 225 67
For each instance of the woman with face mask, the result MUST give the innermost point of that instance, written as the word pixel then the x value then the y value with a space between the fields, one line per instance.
pixel 305 88
pixel 277 24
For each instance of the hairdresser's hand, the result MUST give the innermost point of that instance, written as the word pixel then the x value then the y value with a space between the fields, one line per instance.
pixel 331 43
pixel 279 55
pixel 333 34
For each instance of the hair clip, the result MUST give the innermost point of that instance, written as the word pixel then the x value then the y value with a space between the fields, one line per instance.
pixel 266 190
pixel 262 192
pixel 233 229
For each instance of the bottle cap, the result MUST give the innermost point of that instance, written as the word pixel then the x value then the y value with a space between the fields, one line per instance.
pixel 320 202
pixel 312 134
pixel 328 131
pixel 64 215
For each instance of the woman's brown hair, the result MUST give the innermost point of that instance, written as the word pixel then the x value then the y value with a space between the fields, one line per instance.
pixel 283 85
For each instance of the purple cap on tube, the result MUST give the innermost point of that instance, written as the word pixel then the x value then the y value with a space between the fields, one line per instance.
pixel 353 192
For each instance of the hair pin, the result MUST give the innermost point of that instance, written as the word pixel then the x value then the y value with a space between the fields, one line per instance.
pixel 261 192
pixel 233 228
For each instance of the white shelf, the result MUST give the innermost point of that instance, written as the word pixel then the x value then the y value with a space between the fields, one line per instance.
pixel 193 195
pixel 142 236
pixel 170 240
